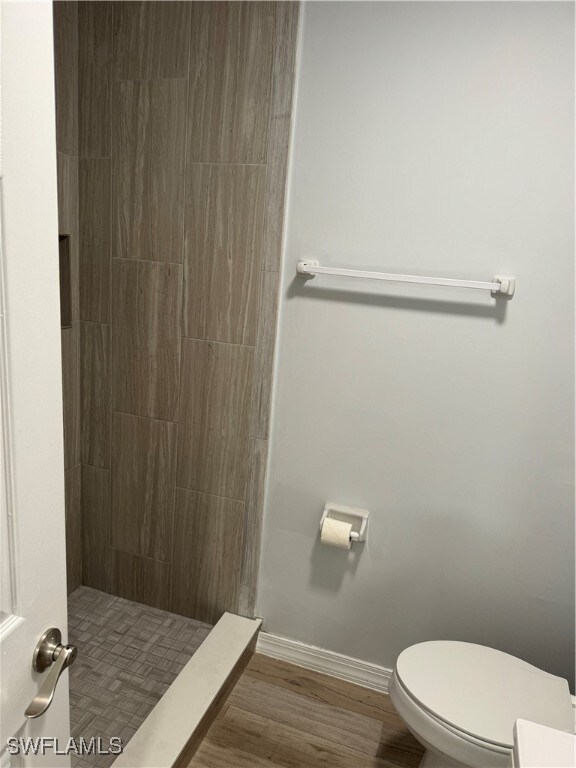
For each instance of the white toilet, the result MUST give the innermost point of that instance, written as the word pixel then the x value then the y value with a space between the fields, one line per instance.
pixel 461 701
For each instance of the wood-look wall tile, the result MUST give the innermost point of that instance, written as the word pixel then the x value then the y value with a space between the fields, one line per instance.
pixel 213 423
pixel 96 498
pixel 141 579
pixel 278 145
pixel 95 225
pixel 146 301
pixel 73 513
pixel 95 77
pixel 144 461
pixel 152 40
pixel 254 507
pixel 230 70
pixel 71 394
pixel 68 208
pixel 264 355
pixel 149 169
pixel 96 394
pixel 285 36
pixel 68 220
pixel 66 75
pixel 223 247
pixel 208 534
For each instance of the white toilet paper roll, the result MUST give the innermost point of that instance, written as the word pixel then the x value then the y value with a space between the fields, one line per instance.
pixel 335 533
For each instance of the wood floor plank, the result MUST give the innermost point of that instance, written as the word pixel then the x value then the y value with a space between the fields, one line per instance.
pixel 328 689
pixel 281 745
pixel 283 716
pixel 211 755
pixel 350 730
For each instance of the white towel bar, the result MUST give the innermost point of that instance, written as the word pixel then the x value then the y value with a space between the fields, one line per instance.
pixel 500 284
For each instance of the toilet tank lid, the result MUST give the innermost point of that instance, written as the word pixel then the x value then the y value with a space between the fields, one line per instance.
pixel 482 691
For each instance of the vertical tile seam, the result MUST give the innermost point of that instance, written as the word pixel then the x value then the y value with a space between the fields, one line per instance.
pixel 292 69
pixel 82 156
pixel 112 81
pixel 80 357
pixel 75 323
pixel 182 311
pixel 253 585
pixel 248 541
pixel 78 366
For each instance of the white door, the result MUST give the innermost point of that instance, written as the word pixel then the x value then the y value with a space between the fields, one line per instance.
pixel 33 567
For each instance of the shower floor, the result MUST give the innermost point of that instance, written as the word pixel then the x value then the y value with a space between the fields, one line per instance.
pixel 128 655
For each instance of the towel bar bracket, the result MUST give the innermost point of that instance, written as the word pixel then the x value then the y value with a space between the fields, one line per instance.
pixel 507 285
pixel 501 285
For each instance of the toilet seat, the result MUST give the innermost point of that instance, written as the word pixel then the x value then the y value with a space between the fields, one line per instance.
pixel 478 693
pixel 460 749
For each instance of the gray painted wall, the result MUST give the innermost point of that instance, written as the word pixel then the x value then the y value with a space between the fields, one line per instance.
pixel 434 138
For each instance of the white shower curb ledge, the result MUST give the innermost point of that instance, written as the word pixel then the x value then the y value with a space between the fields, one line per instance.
pixel 164 734
pixel 327 662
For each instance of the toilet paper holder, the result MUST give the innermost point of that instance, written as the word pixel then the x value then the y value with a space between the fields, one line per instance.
pixel 357 518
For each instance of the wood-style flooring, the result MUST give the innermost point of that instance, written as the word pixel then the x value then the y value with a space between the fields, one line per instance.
pixel 283 716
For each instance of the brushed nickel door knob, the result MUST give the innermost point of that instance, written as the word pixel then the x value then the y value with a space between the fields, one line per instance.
pixel 49 652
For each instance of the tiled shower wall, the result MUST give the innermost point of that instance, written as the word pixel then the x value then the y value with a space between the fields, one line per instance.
pixel 66 67
pixel 183 129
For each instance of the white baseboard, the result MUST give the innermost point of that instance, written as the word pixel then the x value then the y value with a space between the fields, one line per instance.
pixel 327 662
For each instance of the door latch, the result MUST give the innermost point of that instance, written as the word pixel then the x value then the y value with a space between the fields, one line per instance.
pixel 49 652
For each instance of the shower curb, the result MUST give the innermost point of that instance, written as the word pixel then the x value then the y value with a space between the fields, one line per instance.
pixel 175 727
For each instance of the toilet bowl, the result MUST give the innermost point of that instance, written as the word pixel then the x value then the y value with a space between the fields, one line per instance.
pixel 461 700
